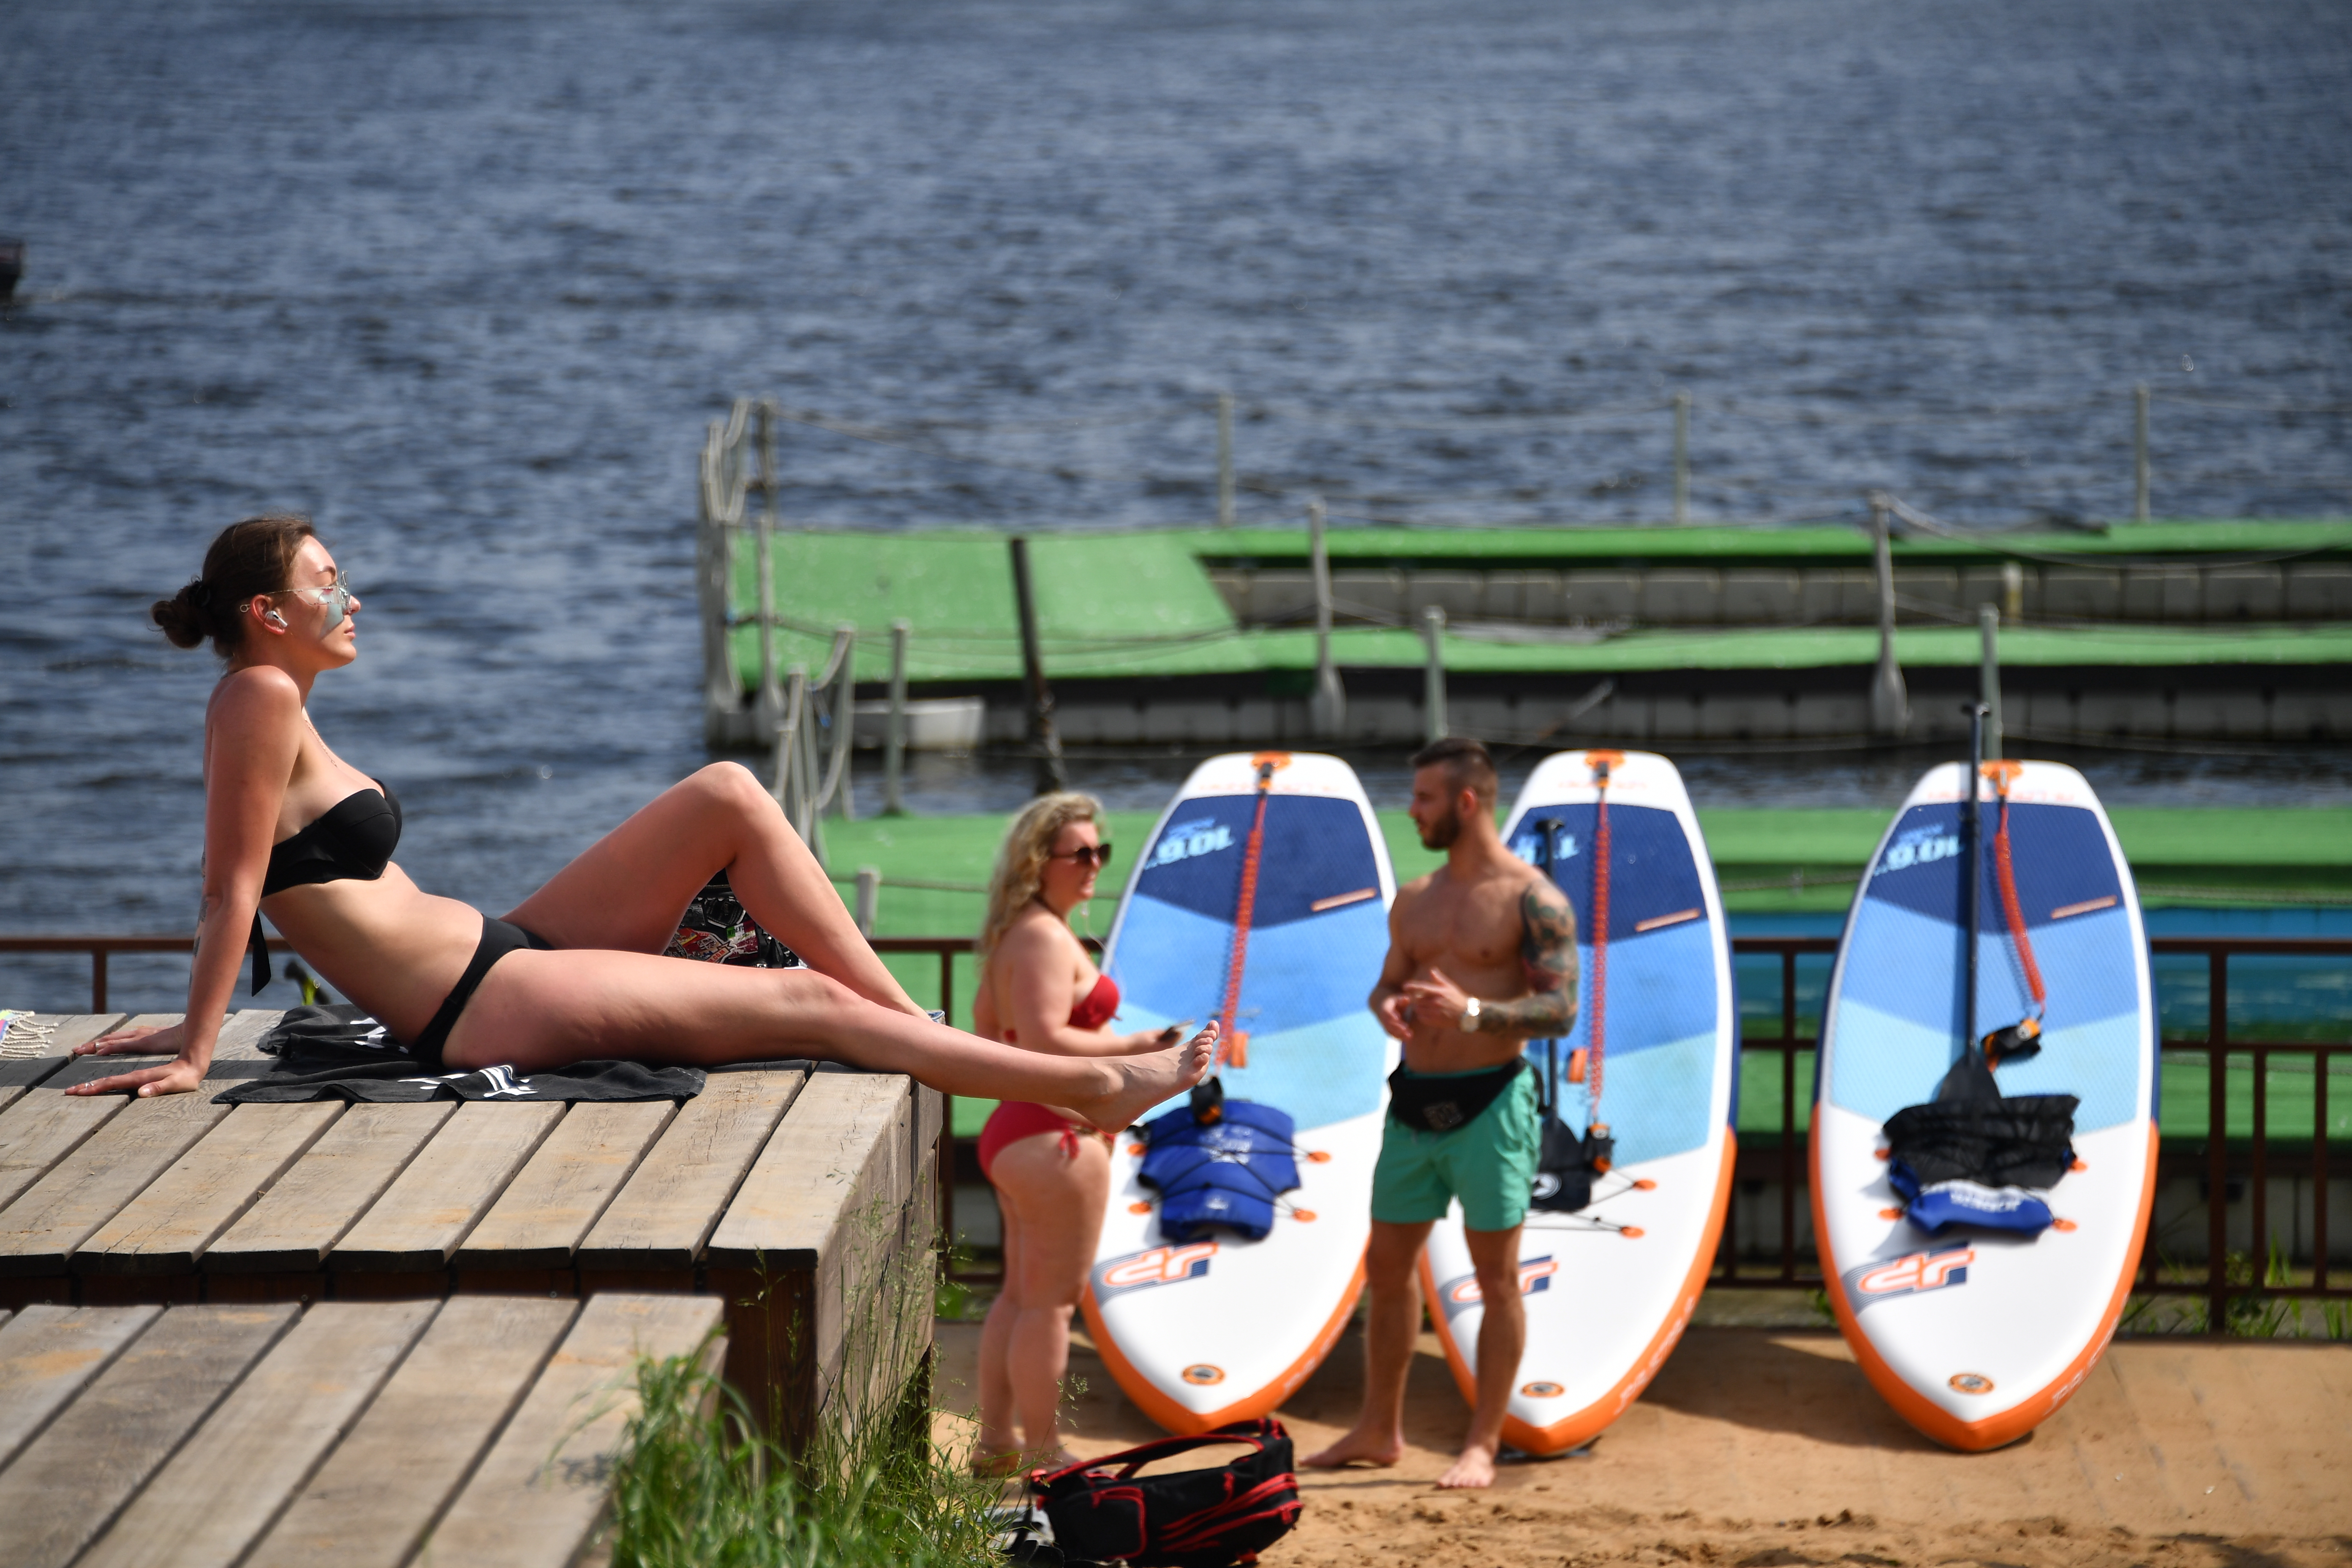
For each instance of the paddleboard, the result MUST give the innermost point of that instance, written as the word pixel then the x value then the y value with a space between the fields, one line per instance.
pixel 1610 1287
pixel 1203 1331
pixel 1975 1336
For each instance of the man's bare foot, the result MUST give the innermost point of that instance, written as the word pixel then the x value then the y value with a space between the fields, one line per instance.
pixel 1358 1448
pixel 1143 1081
pixel 1475 1467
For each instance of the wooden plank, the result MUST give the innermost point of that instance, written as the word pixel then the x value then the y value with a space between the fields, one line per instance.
pixel 290 1230
pixel 666 1214
pixel 810 1251
pixel 539 1220
pixel 41 1232
pixel 430 1206
pixel 542 1488
pixel 48 1354
pixel 68 1483
pixel 166 1229
pixel 42 1128
pixel 67 1030
pixel 388 1482
pixel 221 1491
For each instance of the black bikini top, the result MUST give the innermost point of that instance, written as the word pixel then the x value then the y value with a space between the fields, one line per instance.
pixel 351 840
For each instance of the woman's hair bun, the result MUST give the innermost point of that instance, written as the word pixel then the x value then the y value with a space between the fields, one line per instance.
pixel 248 558
pixel 184 616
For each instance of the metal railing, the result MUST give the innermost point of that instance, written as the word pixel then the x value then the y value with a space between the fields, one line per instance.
pixel 2218 1163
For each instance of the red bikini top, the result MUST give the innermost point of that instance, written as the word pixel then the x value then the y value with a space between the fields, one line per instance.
pixel 1093 1013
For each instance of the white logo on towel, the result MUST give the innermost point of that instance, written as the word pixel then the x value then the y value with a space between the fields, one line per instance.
pixel 503 1082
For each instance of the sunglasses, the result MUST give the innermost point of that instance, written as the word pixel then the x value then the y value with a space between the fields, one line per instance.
pixel 1095 855
pixel 336 597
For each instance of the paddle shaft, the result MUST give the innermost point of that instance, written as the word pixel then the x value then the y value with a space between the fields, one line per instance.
pixel 1971 873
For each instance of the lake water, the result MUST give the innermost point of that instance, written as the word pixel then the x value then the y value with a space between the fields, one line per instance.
pixel 466 281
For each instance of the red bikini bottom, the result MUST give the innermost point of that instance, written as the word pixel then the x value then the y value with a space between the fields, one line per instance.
pixel 1014 1119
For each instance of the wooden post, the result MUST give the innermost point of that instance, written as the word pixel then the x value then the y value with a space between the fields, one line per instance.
pixel 894 739
pixel 1682 455
pixel 1046 744
pixel 845 719
pixel 1433 632
pixel 1326 710
pixel 869 898
pixel 2139 452
pixel 764 542
pixel 1988 677
pixel 1225 459
pixel 2012 592
pixel 1890 703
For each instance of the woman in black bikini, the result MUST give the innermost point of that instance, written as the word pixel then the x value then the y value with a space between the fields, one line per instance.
pixel 573 972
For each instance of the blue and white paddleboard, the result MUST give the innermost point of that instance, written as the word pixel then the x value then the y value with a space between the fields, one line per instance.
pixel 1974 1335
pixel 1203 1331
pixel 1610 1287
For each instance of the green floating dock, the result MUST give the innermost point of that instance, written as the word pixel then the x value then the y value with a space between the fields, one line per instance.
pixel 1146 604
pixel 1655 636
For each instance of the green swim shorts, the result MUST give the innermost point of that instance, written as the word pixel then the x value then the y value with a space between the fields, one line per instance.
pixel 1487 1163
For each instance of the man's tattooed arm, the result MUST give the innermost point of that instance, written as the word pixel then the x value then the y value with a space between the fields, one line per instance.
pixel 1548 949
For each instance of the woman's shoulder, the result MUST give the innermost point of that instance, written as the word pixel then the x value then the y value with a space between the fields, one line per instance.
pixel 1034 934
pixel 258 694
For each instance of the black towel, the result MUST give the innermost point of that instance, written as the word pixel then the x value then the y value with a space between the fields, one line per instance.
pixel 340 1053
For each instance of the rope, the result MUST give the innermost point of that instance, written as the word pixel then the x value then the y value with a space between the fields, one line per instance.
pixel 2022 943
pixel 1599 936
pixel 20 1036
pixel 1247 906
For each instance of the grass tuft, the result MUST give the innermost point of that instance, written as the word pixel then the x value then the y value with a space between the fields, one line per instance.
pixel 701 1487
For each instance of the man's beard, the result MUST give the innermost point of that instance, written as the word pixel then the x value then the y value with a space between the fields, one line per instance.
pixel 1442 833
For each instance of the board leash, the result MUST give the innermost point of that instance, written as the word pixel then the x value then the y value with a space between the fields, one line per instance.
pixel 2017 1039
pixel 1226 1040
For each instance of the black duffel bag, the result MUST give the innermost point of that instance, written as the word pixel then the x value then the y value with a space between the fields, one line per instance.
pixel 1102 1512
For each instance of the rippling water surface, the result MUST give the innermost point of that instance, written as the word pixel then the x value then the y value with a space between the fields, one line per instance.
pixel 466 281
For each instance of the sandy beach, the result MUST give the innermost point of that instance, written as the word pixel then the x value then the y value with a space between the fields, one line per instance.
pixel 1760 1447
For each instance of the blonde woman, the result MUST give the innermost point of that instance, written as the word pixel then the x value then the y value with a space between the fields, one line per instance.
pixel 1051 1170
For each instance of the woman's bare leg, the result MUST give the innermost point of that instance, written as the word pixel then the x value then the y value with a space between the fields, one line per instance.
pixel 1000 1433
pixel 1059 1198
pixel 627 890
pixel 538 1010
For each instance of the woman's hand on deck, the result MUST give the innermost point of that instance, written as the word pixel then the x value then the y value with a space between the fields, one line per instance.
pixel 154 1040
pixel 178 1076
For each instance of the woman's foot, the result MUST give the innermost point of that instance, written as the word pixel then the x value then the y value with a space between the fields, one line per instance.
pixel 1138 1083
pixel 996 1464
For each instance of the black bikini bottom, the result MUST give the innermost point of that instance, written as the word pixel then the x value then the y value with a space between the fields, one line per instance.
pixel 499 938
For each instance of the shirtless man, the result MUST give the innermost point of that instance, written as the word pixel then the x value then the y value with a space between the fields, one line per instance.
pixel 1482 959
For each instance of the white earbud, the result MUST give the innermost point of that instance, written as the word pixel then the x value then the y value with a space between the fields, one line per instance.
pixel 275 619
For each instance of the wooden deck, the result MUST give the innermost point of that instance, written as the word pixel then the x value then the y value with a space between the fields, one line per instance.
pixel 805 1201
pixel 481 1430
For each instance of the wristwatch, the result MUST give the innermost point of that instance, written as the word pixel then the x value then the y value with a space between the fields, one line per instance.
pixel 1469 1025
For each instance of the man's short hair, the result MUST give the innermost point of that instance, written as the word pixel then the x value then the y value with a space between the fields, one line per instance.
pixel 1466 763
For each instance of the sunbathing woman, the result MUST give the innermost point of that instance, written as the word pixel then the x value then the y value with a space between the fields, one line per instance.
pixel 1039 990
pixel 573 972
